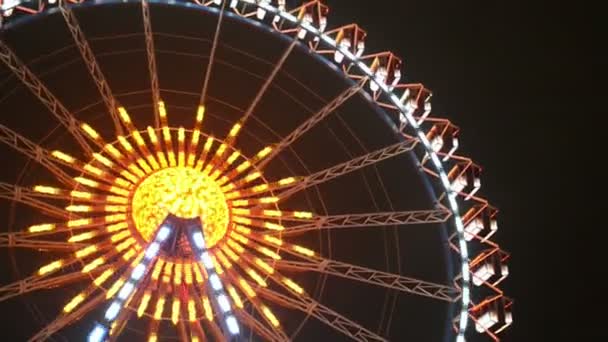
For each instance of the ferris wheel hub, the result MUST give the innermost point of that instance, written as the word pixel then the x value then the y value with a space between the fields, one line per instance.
pixel 184 192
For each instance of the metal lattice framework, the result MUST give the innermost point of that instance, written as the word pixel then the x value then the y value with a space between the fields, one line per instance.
pixel 371 220
pixel 253 253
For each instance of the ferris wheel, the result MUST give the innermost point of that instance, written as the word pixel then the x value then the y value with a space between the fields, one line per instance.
pixel 232 170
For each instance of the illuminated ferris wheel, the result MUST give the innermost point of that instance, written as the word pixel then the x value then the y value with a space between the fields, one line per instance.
pixel 232 170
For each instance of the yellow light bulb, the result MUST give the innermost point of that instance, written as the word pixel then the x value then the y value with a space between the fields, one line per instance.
pixel 175 311
pixel 71 305
pixel 53 266
pixel 114 288
pixel 191 311
pixel 160 304
pixel 145 300
pixel 292 285
pixel 63 157
pixel 90 131
pixel 207 307
pixel 235 297
pixel 41 228
pixel 103 277
pixel 270 316
pixel 46 190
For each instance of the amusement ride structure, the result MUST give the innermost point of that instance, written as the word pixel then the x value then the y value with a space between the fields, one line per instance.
pixel 233 170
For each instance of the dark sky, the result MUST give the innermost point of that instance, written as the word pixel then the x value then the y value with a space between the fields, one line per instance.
pixel 515 78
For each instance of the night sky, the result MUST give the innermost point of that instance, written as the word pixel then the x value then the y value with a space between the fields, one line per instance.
pixel 513 77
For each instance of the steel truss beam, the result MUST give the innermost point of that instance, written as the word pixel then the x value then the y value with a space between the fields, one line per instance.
pixel 313 121
pixel 267 83
pixel 273 334
pixel 366 275
pixel 67 318
pixel 19 240
pixel 41 282
pixel 216 36
pixel 89 58
pixel 150 51
pixel 32 150
pixel 30 198
pixel 349 166
pixel 36 86
pixel 260 329
pixel 323 314
pixel 369 220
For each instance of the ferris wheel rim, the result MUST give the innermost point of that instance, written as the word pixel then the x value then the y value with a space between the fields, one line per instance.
pixel 15 24
pixel 405 115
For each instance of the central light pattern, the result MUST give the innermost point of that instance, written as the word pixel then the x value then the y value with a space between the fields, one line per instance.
pixel 127 189
pixel 183 192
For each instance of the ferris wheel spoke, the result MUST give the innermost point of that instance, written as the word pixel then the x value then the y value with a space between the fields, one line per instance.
pixel 36 86
pixel 216 36
pixel 258 327
pixel 272 331
pixel 34 151
pixel 181 329
pixel 52 160
pixel 313 121
pixel 325 315
pixel 196 330
pixel 89 58
pixel 30 198
pixel 66 319
pixel 368 220
pixel 46 281
pixel 312 263
pixel 19 240
pixel 349 166
pixel 322 313
pixel 125 315
pixel 150 52
pixel 265 87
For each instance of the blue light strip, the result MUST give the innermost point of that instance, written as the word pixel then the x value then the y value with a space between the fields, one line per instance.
pixel 216 288
pixel 101 330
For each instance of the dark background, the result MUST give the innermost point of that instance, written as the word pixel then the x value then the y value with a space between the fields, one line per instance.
pixel 516 77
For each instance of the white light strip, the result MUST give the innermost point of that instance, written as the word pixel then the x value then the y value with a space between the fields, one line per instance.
pixel 198 240
pixel 113 311
pixel 138 272
pixel 126 290
pixel 207 261
pixel 163 233
pixel 218 296
pixel 100 330
pixel 152 250
pixel 216 284
pixel 233 326
pixel 222 300
pixel 97 334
